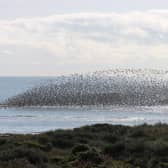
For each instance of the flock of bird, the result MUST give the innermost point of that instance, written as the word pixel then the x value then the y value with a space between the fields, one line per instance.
pixel 111 87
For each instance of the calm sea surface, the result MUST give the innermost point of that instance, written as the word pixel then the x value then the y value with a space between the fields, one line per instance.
pixel 10 86
pixel 35 120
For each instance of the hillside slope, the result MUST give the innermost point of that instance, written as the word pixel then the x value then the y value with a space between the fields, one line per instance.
pixel 96 146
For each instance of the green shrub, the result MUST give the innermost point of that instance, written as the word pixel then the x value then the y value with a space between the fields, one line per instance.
pixel 117 164
pixel 56 159
pixel 33 144
pixel 43 139
pixel 111 138
pixel 135 133
pixel 19 163
pixel 96 146
pixel 153 163
pixel 62 143
pixel 90 156
pixel 2 141
pixel 159 148
pixel 135 147
pixel 48 147
pixel 114 149
pixel 35 157
pixel 80 148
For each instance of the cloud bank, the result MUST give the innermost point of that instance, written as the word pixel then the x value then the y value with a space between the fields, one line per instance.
pixel 83 42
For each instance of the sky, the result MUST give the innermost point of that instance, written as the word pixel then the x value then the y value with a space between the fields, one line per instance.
pixel 55 37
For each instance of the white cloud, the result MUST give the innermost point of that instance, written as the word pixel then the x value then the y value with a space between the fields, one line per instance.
pixel 89 41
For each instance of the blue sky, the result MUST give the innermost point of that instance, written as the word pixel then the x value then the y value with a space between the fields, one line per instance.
pixel 51 37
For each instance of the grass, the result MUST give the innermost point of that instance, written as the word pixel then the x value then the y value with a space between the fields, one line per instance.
pixel 96 146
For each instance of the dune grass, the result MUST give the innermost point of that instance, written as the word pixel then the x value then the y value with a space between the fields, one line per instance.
pixel 96 146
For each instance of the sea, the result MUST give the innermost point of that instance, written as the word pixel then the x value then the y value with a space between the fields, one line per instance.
pixel 32 120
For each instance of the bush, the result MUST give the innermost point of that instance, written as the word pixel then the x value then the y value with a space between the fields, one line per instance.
pixel 33 144
pixel 35 157
pixel 136 133
pixel 110 138
pixel 153 163
pixel 90 156
pixel 19 163
pixel 135 147
pixel 159 148
pixel 80 148
pixel 62 143
pixel 43 139
pixel 114 150
pixel 2 141
pixel 107 145
pixel 48 147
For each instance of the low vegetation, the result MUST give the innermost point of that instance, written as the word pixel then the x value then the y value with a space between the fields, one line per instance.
pixel 97 146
